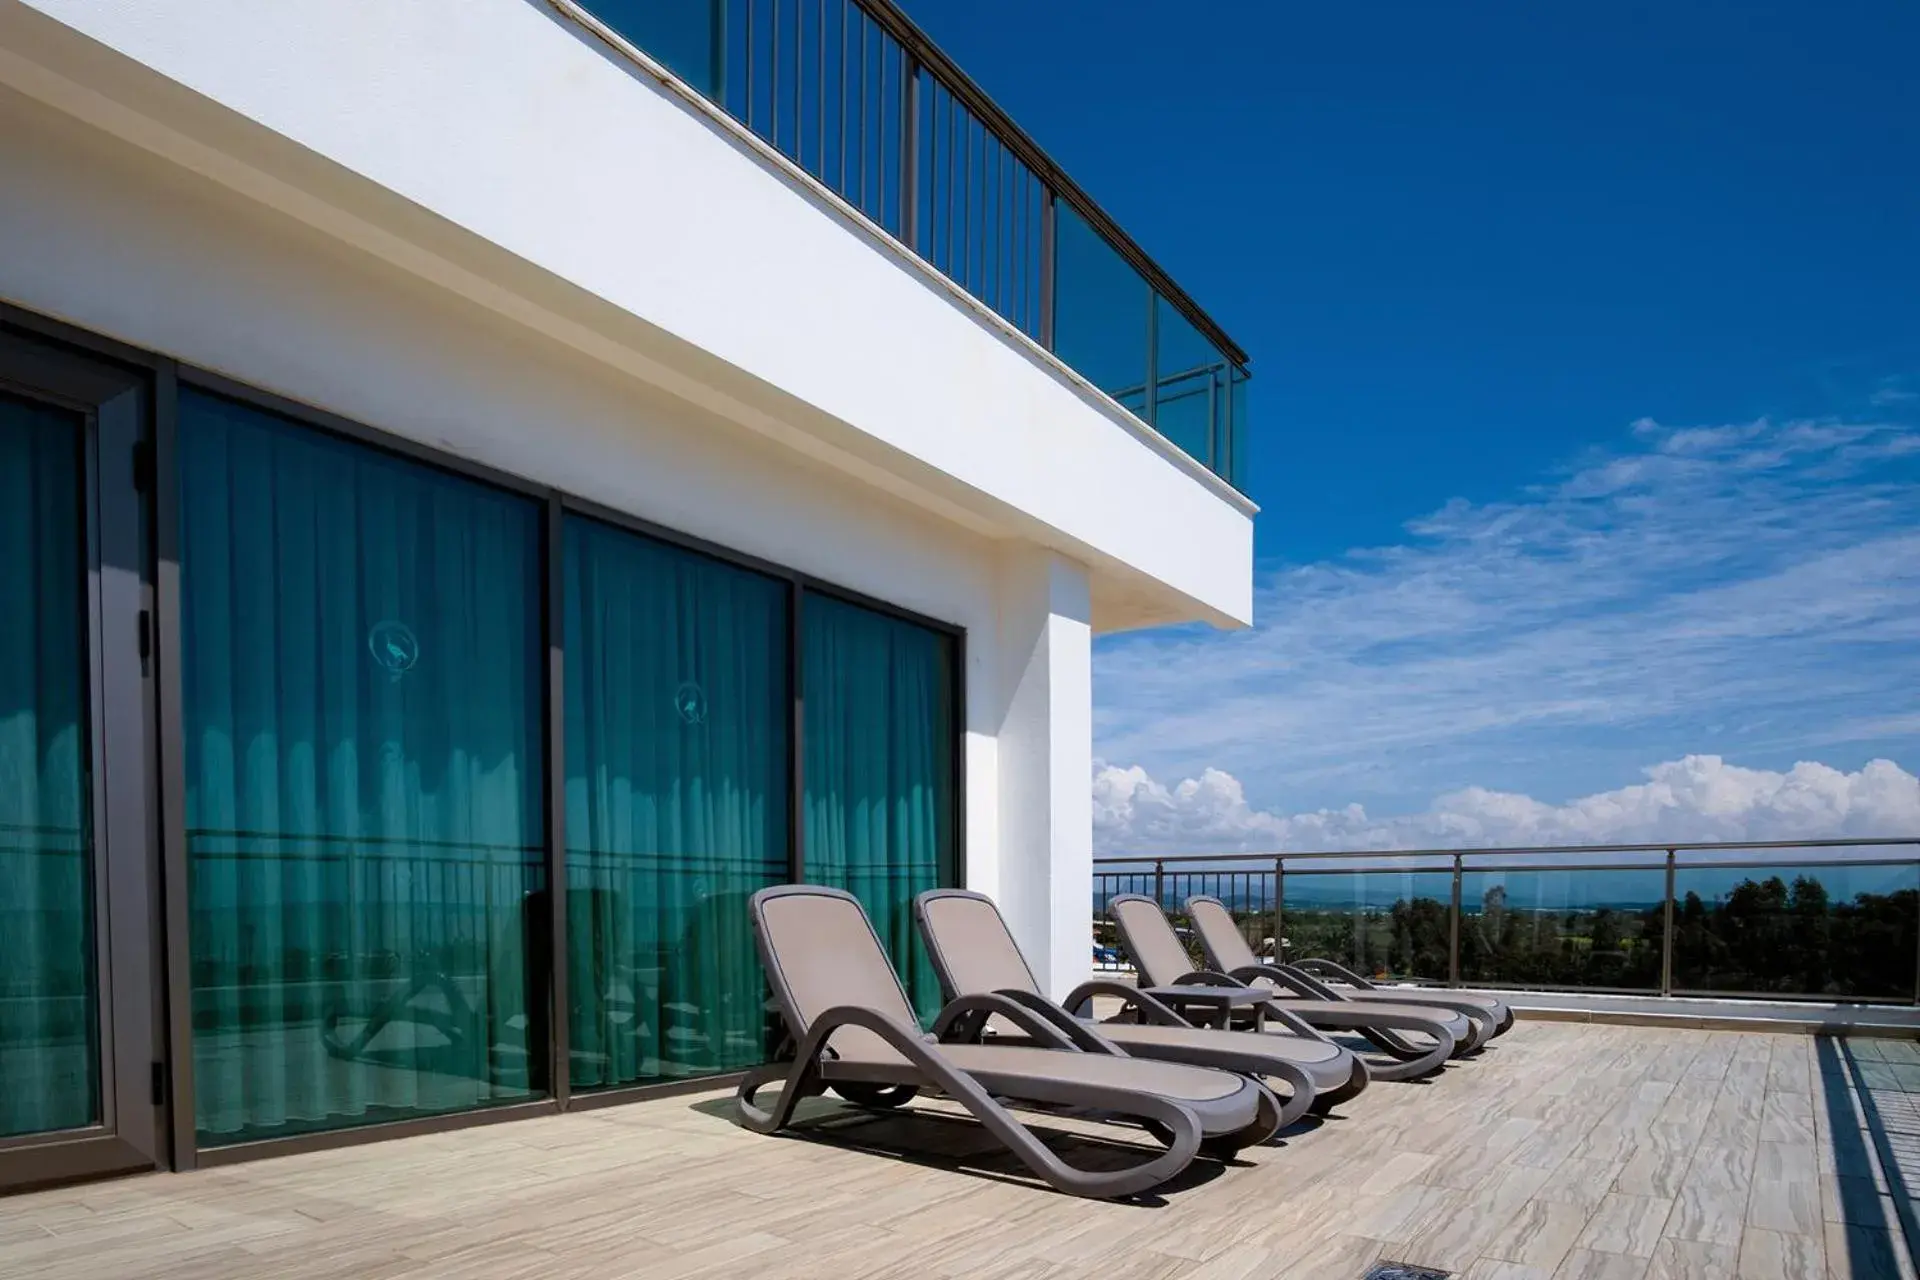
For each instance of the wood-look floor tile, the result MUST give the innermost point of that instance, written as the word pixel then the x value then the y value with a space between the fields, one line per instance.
pixel 1500 1269
pixel 1586 1264
pixel 1540 1235
pixel 1693 1260
pixel 1582 1182
pixel 1787 1117
pixel 1626 1224
pixel 1792 1207
pixel 1711 1206
pixel 1773 1255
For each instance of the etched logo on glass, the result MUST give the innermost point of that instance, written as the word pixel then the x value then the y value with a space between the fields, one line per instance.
pixel 394 648
pixel 690 700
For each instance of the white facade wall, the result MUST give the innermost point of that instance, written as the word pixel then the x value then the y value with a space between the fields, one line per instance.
pixel 464 223
pixel 112 240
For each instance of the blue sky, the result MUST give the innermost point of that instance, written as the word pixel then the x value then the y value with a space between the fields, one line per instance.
pixel 1587 352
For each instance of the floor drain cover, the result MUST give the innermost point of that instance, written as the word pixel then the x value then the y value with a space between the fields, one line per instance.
pixel 1404 1271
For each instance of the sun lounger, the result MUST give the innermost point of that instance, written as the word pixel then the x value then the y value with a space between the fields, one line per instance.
pixel 1227 951
pixel 1163 962
pixel 1493 1013
pixel 974 953
pixel 854 1031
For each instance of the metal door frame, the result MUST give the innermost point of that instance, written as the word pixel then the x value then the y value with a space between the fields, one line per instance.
pixel 116 403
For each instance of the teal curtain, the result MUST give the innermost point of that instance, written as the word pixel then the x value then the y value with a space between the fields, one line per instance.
pixel 361 668
pixel 879 802
pixel 678 721
pixel 49 1046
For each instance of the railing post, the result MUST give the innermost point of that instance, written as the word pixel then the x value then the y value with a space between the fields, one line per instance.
pixel 1279 897
pixel 910 152
pixel 1453 929
pixel 1213 458
pixel 1666 938
pixel 1047 224
pixel 1151 409
pixel 1160 882
pixel 1916 955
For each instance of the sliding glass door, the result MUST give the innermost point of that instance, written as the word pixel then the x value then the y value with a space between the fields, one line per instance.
pixel 360 923
pixel 77 961
pixel 361 702
pixel 679 725
pixel 879 770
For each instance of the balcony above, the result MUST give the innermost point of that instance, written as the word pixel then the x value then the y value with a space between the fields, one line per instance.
pixel 521 166
pixel 857 96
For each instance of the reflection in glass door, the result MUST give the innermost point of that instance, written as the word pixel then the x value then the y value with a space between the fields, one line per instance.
pixel 76 1032
pixel 49 1023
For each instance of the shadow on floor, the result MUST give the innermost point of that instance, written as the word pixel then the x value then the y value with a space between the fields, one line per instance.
pixel 1875 1135
pixel 937 1139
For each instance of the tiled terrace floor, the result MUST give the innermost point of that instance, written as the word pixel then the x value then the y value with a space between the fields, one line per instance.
pixel 1567 1150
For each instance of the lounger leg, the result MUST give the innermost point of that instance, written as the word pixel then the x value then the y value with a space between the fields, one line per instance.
pixel 1301 1097
pixel 802 1081
pixel 1356 1083
pixel 1413 1062
pixel 1272 1118
pixel 802 1077
pixel 877 1097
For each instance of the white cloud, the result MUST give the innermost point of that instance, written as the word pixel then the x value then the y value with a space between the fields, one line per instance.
pixel 1892 392
pixel 1749 589
pixel 1696 798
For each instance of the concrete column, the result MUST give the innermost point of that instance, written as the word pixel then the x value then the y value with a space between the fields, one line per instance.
pixel 1045 763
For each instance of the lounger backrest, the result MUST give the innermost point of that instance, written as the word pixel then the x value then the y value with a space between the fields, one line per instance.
pixel 970 944
pixel 1225 946
pixel 820 951
pixel 1149 938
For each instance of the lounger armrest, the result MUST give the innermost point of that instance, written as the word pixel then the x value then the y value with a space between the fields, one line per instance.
pixel 1084 1037
pixel 1319 967
pixel 1150 1008
pixel 1292 979
pixel 1293 1022
pixel 1314 984
pixel 967 1014
pixel 1207 978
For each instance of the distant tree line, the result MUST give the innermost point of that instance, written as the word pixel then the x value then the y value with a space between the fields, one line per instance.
pixel 1765 936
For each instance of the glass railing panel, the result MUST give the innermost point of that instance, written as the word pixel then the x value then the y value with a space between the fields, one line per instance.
pixel 1108 955
pixel 1247 893
pixel 834 89
pixel 1834 932
pixel 1101 314
pixel 1598 929
pixel 1237 433
pixel 979 212
pixel 1190 388
pixel 1388 924
pixel 686 35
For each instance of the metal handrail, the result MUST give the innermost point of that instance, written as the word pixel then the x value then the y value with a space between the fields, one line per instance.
pixel 929 55
pixel 1674 846
pixel 1274 868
